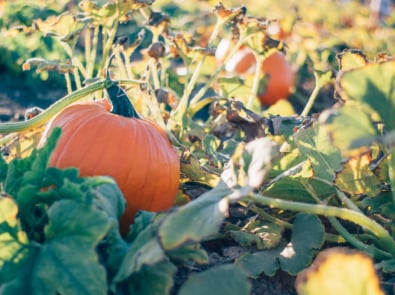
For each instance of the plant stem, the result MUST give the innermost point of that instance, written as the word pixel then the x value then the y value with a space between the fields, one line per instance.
pixel 107 45
pixel 312 97
pixel 92 56
pixel 208 83
pixel 255 83
pixel 355 242
pixel 384 238
pixel 182 107
pixel 154 73
pixel 68 83
pixel 41 119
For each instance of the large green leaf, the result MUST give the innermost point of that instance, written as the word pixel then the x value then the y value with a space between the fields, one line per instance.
pixel 73 232
pixel 294 189
pixel 145 250
pixel 314 143
pixel 152 279
pixel 307 237
pixel 373 84
pixel 67 263
pixel 357 178
pixel 220 280
pixel 261 262
pixel 350 128
pixel 197 220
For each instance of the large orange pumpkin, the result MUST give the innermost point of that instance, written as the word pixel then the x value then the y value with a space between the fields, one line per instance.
pixel 134 151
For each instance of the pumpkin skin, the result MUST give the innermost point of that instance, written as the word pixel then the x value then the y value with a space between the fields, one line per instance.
pixel 134 151
pixel 280 79
pixel 279 76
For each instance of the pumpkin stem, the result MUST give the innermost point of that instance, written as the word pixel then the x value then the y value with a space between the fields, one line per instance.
pixel 121 104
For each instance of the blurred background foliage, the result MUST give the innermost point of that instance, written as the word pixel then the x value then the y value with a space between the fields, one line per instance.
pixel 313 31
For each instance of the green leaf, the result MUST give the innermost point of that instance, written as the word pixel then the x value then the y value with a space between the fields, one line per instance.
pixel 197 220
pixel 314 143
pixel 374 85
pixel 357 178
pixel 108 197
pixel 392 171
pixel 258 233
pixel 152 279
pixel 14 245
pixel 294 189
pixel 145 250
pixel 73 232
pixel 141 221
pixel 251 163
pixel 351 59
pixel 234 87
pixel 189 254
pixel 211 144
pixel 261 262
pixel 307 237
pixel 67 263
pixel 350 128
pixel 3 169
pixel 25 176
pixel 220 280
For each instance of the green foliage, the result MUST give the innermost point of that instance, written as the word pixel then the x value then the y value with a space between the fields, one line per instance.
pixel 280 187
pixel 293 256
pixel 212 281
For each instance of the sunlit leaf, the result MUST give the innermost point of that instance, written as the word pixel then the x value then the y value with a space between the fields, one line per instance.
pixel 314 143
pixel 339 271
pixel 357 178
pixel 392 170
pixel 65 26
pixel 14 245
pixel 23 144
pixel 294 188
pixel 350 59
pixel 350 128
pixel 251 162
pixel 374 85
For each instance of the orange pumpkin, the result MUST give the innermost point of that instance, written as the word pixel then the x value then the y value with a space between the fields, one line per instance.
pixel 278 74
pixel 135 152
pixel 279 79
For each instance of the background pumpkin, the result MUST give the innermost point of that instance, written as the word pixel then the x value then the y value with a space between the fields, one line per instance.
pixel 134 151
pixel 278 74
